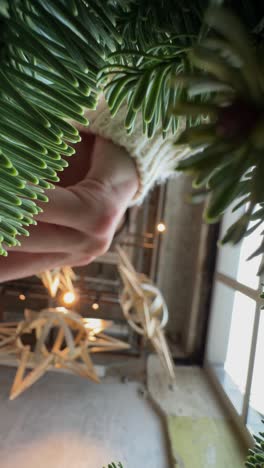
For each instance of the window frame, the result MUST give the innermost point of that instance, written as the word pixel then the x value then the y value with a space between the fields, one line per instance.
pixel 236 286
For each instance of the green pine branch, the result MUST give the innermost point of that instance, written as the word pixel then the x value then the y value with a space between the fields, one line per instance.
pixel 50 56
pixel 156 39
pixel 165 60
pixel 255 457
pixel 227 148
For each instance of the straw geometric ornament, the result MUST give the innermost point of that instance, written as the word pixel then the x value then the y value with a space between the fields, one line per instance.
pixel 59 278
pixel 145 309
pixel 54 338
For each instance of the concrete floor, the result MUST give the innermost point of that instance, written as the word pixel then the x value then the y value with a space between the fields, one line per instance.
pixel 200 430
pixel 67 422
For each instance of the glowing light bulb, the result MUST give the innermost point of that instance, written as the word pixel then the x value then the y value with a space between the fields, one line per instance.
pixel 94 325
pixel 161 227
pixel 69 297
pixel 95 306
pixel 22 297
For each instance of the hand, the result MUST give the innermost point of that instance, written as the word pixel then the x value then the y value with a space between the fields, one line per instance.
pixel 79 222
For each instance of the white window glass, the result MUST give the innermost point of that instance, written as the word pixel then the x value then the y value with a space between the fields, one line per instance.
pixel 220 321
pixel 256 411
pixel 239 341
pixel 232 259
pixel 229 342
pixel 247 270
pixel 228 255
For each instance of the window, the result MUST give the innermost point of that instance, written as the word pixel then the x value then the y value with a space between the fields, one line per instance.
pixel 235 341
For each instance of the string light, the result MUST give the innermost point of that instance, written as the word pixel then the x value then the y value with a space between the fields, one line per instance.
pixel 161 227
pixel 22 297
pixel 95 306
pixel 69 297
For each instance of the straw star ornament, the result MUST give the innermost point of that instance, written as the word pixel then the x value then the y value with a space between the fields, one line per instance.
pixel 145 309
pixel 54 338
pixel 58 279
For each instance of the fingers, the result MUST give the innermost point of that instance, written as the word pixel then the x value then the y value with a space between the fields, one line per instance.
pixel 20 265
pixel 100 198
pixel 79 222
pixel 87 207
pixel 64 209
pixel 50 238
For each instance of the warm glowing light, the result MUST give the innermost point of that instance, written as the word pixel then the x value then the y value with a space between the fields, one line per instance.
pixel 95 306
pixel 22 297
pixel 161 227
pixel 54 286
pixel 92 338
pixel 69 297
pixel 61 309
pixel 94 325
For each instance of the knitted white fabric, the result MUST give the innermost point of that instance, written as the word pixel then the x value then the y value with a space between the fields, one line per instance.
pixel 155 158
